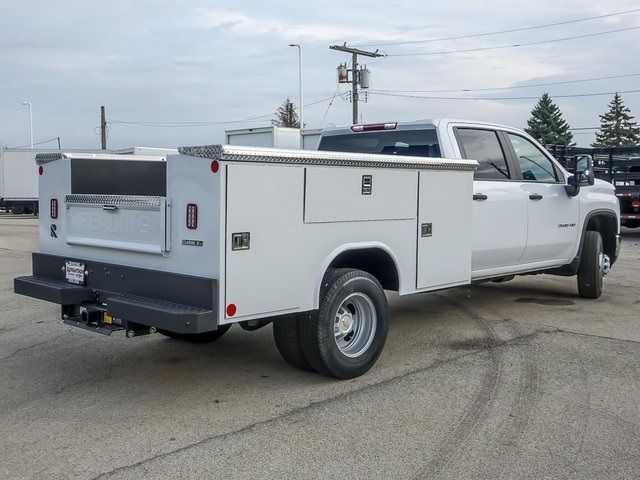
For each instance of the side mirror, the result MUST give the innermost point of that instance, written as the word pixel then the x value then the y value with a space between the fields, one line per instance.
pixel 582 167
pixel 583 170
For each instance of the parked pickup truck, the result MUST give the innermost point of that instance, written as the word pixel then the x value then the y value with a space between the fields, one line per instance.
pixel 189 244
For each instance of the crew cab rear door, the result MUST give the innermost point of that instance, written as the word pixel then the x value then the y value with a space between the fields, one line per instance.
pixel 499 204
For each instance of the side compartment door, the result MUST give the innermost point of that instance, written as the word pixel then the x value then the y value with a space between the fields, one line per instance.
pixel 263 220
pixel 499 204
pixel 444 229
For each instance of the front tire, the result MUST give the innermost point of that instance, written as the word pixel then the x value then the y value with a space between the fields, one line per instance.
pixel 205 337
pixel 594 265
pixel 346 336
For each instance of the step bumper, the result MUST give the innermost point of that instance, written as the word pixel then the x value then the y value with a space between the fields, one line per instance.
pixel 167 301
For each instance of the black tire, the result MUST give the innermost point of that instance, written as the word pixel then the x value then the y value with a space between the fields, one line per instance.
pixel 317 333
pixel 286 333
pixel 589 273
pixel 205 337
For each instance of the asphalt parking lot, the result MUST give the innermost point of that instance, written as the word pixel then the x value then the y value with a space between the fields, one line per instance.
pixel 516 380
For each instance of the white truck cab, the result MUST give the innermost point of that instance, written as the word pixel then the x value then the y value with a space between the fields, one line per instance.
pixel 526 216
pixel 188 244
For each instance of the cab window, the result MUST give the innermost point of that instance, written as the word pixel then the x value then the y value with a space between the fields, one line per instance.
pixel 419 143
pixel 535 165
pixel 483 146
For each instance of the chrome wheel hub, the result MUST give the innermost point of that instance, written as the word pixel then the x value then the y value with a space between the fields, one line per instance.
pixel 355 325
pixel 605 264
pixel 345 324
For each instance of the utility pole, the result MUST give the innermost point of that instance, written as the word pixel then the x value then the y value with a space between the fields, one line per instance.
pixel 359 77
pixel 103 128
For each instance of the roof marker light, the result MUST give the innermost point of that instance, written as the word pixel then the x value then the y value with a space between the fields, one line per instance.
pixel 372 127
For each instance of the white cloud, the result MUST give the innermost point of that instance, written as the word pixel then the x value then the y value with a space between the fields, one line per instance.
pixel 242 24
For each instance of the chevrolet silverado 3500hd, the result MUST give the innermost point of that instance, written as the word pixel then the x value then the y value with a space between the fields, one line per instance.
pixel 189 244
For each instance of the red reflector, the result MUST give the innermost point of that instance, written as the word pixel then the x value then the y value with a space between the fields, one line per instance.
pixel 192 216
pixel 231 310
pixel 40 169
pixel 215 166
pixel 374 126
pixel 54 208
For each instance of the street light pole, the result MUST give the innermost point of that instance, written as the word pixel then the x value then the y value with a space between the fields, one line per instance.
pixel 28 104
pixel 300 86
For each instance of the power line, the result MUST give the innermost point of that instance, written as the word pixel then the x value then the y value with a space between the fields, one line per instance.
pixel 324 117
pixel 593 79
pixel 54 139
pixel 500 98
pixel 499 32
pixel 205 124
pixel 540 42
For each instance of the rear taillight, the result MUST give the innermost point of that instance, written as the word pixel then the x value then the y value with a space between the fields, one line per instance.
pixel 192 216
pixel 54 208
pixel 374 127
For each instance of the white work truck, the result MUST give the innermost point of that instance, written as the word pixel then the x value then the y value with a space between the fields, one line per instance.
pixel 189 244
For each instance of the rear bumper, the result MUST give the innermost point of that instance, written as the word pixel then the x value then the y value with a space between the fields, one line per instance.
pixel 135 296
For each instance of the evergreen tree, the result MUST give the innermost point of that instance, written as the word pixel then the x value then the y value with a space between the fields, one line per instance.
pixel 286 115
pixel 617 128
pixel 547 125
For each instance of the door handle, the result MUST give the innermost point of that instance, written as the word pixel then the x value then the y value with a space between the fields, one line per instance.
pixel 479 196
pixel 535 196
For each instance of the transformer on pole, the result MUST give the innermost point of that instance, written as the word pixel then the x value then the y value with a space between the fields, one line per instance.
pixel 359 76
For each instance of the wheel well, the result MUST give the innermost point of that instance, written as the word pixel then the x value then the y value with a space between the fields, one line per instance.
pixel 375 261
pixel 607 226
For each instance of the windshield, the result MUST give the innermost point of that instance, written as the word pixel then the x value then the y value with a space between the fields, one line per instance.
pixel 419 143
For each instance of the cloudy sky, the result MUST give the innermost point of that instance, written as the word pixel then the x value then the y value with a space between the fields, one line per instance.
pixel 218 61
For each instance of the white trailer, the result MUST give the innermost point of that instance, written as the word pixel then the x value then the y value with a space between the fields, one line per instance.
pixel 18 180
pixel 272 137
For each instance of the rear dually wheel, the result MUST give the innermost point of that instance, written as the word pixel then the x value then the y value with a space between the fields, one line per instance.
pixel 346 335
